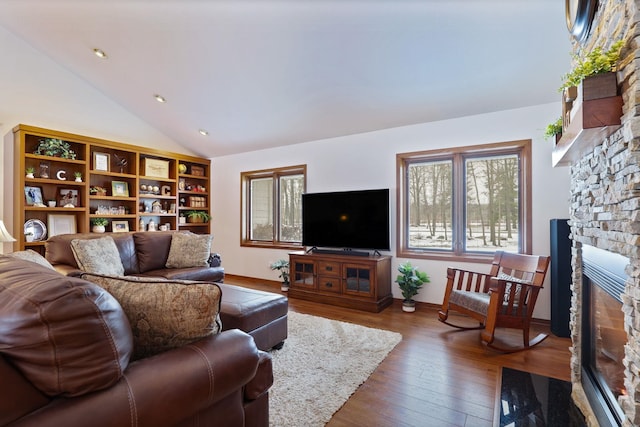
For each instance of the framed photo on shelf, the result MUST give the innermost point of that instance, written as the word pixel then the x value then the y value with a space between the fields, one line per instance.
pixel 101 161
pixel 155 167
pixel 33 196
pixel 61 224
pixel 119 189
pixel 68 197
pixel 120 226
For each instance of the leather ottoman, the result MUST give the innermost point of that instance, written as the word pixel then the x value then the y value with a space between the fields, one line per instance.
pixel 263 315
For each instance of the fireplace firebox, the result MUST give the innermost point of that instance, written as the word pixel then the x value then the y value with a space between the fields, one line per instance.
pixel 603 334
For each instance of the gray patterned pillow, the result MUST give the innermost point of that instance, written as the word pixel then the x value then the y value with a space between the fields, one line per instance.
pixel 33 256
pixel 189 250
pixel 98 256
pixel 164 314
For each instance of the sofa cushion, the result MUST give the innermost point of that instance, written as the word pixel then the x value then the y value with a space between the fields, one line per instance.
pixel 152 248
pixel 58 249
pixel 33 256
pixel 98 256
pixel 189 250
pixel 164 314
pixel 65 335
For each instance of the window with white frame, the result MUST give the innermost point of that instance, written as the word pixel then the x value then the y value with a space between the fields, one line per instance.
pixel 465 202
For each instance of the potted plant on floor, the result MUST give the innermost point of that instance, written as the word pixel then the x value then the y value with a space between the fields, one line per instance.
pixel 282 265
pixel 99 225
pixel 410 280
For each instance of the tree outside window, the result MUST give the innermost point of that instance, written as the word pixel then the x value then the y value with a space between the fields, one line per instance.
pixel 272 207
pixel 465 202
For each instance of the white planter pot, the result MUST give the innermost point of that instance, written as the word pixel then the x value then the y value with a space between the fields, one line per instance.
pixel 409 306
pixel 98 229
pixel 284 288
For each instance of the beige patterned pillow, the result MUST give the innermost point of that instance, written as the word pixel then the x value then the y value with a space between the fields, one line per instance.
pixel 33 256
pixel 189 250
pixel 164 314
pixel 98 256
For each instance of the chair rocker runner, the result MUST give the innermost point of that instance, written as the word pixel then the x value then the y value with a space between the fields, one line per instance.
pixel 505 297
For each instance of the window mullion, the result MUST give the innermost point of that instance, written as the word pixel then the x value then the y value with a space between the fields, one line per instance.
pixel 458 203
pixel 276 207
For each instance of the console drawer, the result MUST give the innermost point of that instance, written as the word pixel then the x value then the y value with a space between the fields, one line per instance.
pixel 329 284
pixel 327 268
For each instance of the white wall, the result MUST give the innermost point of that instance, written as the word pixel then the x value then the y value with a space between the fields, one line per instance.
pixel 367 161
pixel 36 91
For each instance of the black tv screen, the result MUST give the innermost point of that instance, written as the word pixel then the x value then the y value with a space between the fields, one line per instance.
pixel 346 219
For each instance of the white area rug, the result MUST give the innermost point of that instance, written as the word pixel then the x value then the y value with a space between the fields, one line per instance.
pixel 322 363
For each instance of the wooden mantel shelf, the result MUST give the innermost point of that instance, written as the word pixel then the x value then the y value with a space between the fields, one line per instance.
pixel 592 122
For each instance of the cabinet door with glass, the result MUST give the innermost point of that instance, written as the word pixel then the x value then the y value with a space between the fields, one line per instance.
pixel 357 279
pixel 303 273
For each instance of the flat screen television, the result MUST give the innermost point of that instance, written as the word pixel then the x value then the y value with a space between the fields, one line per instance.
pixel 346 219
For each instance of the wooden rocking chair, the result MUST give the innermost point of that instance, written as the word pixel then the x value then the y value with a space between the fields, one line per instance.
pixel 505 297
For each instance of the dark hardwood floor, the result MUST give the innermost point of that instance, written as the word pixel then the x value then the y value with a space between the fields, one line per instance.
pixel 437 375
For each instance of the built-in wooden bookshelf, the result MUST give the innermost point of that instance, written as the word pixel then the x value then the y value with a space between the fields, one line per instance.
pixel 127 185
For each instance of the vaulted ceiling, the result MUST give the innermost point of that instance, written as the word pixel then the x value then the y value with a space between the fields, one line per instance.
pixel 259 74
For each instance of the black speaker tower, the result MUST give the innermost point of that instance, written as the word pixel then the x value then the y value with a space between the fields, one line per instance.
pixel 560 277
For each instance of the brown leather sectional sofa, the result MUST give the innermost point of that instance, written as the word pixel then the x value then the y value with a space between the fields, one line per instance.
pixel 65 361
pixel 262 315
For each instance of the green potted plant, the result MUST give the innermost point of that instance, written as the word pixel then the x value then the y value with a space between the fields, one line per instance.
pixel 410 280
pixel 30 171
pixel 594 63
pixel 197 216
pixel 282 265
pixel 55 148
pixel 554 130
pixel 78 176
pixel 99 224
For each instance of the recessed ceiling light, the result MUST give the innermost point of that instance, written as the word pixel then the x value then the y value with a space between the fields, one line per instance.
pixel 203 132
pixel 159 98
pixel 100 53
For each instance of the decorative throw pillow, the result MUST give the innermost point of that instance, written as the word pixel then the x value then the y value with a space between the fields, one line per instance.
pixel 507 288
pixel 33 256
pixel 164 314
pixel 99 256
pixel 189 250
pixel 67 336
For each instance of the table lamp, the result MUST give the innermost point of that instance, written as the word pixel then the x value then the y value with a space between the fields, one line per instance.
pixel 4 234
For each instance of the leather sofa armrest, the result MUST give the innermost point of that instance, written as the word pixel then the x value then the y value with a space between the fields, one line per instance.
pixel 163 389
pixel 263 379
pixel 215 260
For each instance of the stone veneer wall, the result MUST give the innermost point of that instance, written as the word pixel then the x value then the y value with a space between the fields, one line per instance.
pixel 605 201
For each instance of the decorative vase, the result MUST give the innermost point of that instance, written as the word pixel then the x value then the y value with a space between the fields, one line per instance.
pixel 98 229
pixel 409 306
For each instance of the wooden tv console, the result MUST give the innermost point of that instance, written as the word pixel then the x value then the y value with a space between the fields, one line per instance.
pixel 363 283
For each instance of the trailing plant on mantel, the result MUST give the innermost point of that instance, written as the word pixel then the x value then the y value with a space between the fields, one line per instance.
pixel 594 62
pixel 553 129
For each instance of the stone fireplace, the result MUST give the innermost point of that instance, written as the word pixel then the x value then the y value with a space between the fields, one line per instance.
pixel 605 307
pixel 605 233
